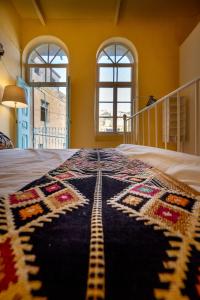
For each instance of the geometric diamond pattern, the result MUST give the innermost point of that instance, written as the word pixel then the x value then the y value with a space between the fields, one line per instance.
pixel 23 196
pixel 181 201
pixel 28 213
pixel 134 201
pixel 136 179
pixel 66 175
pixel 167 216
pixel 52 188
pixel 60 199
pixel 146 190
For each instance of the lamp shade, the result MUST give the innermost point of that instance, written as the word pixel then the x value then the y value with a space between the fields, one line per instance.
pixel 14 96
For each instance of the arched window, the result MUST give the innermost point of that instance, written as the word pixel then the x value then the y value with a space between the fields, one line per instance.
pixel 47 66
pixel 114 87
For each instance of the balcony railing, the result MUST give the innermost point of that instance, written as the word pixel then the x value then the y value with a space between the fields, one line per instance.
pixel 152 123
pixel 49 138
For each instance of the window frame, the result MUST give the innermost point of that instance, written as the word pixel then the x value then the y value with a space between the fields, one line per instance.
pixel 114 85
pixel 46 65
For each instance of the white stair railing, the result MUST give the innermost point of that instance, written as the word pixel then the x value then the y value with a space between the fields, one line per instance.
pixel 138 129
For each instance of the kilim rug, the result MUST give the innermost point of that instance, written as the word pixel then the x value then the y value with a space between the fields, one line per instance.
pixel 100 226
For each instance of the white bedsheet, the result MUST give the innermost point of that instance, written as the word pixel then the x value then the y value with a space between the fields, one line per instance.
pixel 181 166
pixel 20 167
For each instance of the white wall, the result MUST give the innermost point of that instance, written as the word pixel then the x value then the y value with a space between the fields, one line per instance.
pixel 189 70
pixel 190 56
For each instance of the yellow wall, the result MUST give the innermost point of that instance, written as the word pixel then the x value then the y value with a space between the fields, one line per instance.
pixel 157 48
pixel 10 62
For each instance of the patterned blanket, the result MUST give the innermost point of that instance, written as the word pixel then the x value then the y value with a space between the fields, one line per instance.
pixel 100 226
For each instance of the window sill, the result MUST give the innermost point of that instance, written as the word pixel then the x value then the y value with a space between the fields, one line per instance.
pixel 109 136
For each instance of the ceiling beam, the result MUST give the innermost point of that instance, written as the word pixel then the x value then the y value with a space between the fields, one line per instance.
pixel 117 12
pixel 39 13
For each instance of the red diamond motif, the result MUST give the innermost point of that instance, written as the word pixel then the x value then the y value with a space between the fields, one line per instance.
pixel 23 196
pixel 167 214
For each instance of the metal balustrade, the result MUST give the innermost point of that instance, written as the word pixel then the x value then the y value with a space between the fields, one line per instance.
pixel 49 138
pixel 150 126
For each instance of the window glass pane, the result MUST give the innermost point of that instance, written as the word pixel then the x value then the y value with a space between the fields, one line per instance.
pixel 59 74
pixel 37 74
pixel 56 74
pixel 62 90
pixel 123 108
pixel 106 94
pixel 120 51
pixel 120 124
pixel 106 124
pixel 124 74
pixel 124 94
pixel 42 50
pixel 127 59
pixel 34 58
pixel 53 50
pixel 104 59
pixel 110 51
pixel 105 109
pixel 106 74
pixel 42 113
pixel 48 75
pixel 60 58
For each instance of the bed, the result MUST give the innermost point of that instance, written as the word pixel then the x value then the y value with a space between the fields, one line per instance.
pixel 99 224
